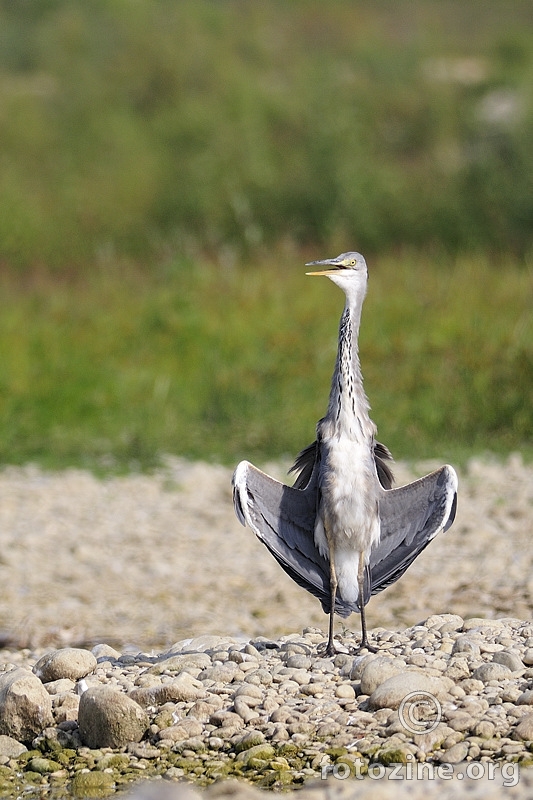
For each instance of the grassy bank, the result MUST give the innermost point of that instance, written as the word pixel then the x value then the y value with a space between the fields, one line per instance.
pixel 111 369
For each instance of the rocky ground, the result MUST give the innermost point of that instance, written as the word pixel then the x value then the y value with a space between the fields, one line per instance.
pixel 141 600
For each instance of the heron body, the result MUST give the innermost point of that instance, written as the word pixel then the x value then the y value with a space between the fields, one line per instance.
pixel 342 532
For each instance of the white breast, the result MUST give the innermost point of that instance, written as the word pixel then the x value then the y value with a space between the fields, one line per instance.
pixel 349 509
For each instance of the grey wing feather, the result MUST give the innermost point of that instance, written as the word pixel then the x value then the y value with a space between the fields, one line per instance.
pixel 411 516
pixel 283 519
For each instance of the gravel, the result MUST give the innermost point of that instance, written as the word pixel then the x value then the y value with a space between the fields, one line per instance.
pixel 142 600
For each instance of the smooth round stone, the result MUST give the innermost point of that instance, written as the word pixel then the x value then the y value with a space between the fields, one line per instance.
pixel 25 705
pixel 527 658
pixel 485 729
pixel 391 693
pixel 475 623
pixel 466 644
pixel 299 661
pixel 259 677
pixel 250 692
pixel 377 671
pixel 491 672
pixel 508 659
pixel 104 652
pixel 69 662
pixel 455 754
pixel 345 691
pixel 439 620
pixel 490 647
pixel 10 748
pixel 524 729
pixel 60 686
pixel 109 718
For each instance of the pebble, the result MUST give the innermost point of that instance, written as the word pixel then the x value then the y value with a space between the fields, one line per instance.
pixel 454 754
pixel 466 644
pixel 109 718
pixel 377 670
pixel 524 729
pixel 11 748
pixel 69 662
pixel 491 672
pixel 391 693
pixel 25 705
pixel 508 659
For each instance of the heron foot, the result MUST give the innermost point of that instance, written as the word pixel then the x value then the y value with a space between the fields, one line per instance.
pixel 330 649
pixel 365 645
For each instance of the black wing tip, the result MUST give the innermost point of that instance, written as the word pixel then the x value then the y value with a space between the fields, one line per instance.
pixel 304 464
pixel 382 454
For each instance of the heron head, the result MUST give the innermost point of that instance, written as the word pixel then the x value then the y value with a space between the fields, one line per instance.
pixel 345 265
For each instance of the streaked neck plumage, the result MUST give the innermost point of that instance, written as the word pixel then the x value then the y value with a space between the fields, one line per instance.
pixel 348 407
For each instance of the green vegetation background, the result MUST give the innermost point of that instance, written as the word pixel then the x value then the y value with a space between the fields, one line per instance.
pixel 167 168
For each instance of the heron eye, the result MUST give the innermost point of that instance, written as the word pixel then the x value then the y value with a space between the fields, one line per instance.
pixel 352 262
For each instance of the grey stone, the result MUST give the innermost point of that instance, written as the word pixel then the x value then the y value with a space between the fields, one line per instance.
pixel 183 688
pixel 252 693
pixel 485 729
pixel 491 672
pixel 184 729
pixel 433 739
pixel 526 698
pixel 61 686
pixel 143 750
pixel 104 652
pixel 109 718
pixel 170 662
pixel 509 659
pixel 243 709
pixel 10 748
pixel 455 754
pixel 477 623
pixel 524 729
pixel 345 691
pixel 391 693
pixel 25 705
pixel 69 662
pixel 461 721
pixel 465 644
pixel 452 621
pixel 220 673
pixel 377 671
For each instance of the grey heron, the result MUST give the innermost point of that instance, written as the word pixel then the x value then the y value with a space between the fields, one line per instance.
pixel 341 531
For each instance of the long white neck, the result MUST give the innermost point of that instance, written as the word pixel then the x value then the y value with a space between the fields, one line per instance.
pixel 348 407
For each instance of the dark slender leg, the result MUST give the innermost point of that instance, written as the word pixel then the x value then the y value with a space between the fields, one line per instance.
pixel 361 583
pixel 330 648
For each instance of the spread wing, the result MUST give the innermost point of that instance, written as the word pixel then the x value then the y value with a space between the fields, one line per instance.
pixel 283 518
pixel 411 516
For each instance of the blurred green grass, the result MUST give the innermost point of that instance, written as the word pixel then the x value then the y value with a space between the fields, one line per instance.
pixel 141 128
pixel 113 369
